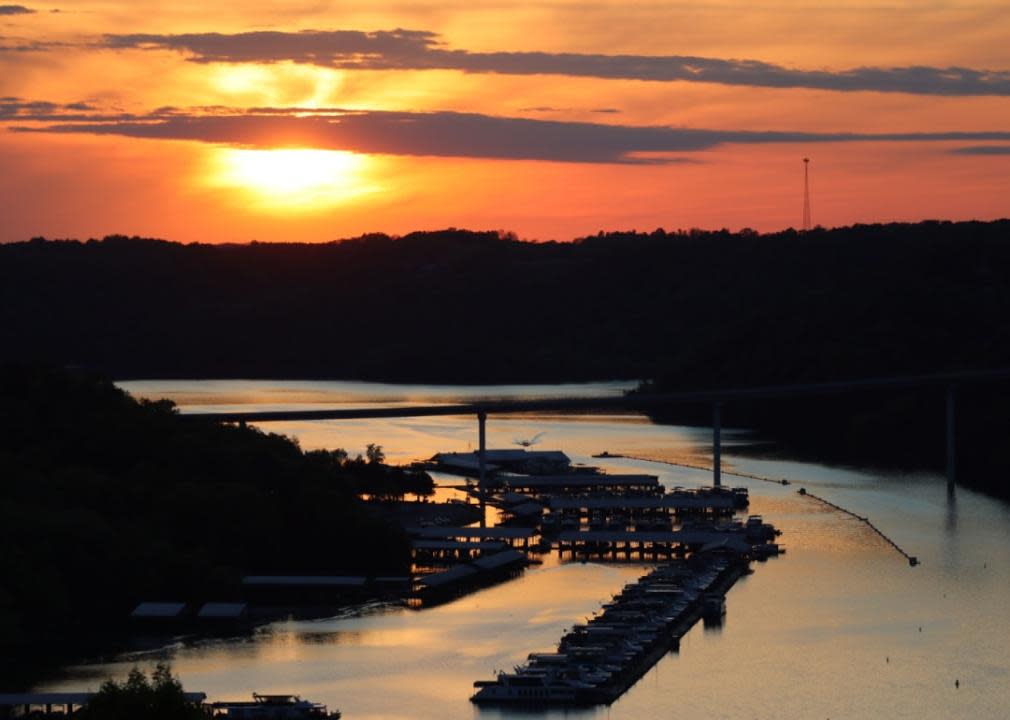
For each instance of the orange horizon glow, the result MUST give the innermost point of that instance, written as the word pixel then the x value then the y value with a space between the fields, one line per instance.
pixel 291 187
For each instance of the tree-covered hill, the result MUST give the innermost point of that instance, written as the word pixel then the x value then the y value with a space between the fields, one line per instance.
pixel 686 310
pixel 106 501
pixel 458 306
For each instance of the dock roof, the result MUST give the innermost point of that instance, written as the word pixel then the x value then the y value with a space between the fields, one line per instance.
pixel 158 610
pixel 492 562
pixel 529 508
pixel 468 461
pixel 447 577
pixel 580 480
pixel 691 537
pixel 685 502
pixel 503 533
pixel 455 545
pixel 222 610
pixel 501 456
pixel 305 580
pixel 45 698
pixel 68 698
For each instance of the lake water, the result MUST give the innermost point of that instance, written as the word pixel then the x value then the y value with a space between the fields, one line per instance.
pixel 839 627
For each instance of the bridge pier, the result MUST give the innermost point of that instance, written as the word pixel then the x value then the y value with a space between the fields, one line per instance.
pixel 951 436
pixel 482 445
pixel 716 443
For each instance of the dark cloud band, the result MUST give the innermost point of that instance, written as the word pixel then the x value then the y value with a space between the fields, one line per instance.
pixel 422 50
pixel 983 150
pixel 445 134
pixel 15 10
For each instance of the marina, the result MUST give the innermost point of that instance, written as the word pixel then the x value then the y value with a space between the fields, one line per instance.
pixel 782 624
pixel 596 662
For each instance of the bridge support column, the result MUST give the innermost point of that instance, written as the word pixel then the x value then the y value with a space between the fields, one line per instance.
pixel 481 489
pixel 717 443
pixel 951 436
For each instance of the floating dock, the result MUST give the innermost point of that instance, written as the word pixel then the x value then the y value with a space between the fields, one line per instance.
pixel 596 662
pixel 580 482
pixel 462 578
pixel 515 536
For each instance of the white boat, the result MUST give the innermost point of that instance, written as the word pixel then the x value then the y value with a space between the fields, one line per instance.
pixel 272 707
pixel 525 688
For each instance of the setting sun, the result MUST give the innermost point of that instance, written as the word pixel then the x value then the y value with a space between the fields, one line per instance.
pixel 292 179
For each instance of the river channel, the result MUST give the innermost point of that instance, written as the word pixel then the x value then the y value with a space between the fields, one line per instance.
pixel 841 626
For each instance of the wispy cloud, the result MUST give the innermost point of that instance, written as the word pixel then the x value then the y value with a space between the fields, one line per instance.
pixel 445 134
pixel 15 10
pixel 983 150
pixel 422 50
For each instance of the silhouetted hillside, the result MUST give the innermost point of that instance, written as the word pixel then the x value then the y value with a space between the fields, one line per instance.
pixel 690 310
pixel 106 501
pixel 464 306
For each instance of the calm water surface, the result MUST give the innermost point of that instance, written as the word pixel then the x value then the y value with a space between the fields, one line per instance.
pixel 839 627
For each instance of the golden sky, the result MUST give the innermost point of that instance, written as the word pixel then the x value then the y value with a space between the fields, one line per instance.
pixel 315 120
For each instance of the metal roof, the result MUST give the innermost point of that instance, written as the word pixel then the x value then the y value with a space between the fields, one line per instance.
pixel 158 610
pixel 581 480
pixel 305 580
pixel 491 562
pixel 463 462
pixel 693 537
pixel 529 508
pixel 46 698
pixel 503 456
pixel 513 498
pixel 505 533
pixel 641 503
pixel 730 542
pixel 222 610
pixel 68 698
pixel 456 545
pixel 449 576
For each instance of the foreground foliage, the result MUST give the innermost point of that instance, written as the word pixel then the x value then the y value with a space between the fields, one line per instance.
pixel 159 697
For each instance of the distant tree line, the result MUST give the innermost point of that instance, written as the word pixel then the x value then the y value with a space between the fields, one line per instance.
pixel 686 309
pixel 460 306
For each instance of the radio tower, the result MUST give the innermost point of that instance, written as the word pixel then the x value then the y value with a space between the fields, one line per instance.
pixel 806 194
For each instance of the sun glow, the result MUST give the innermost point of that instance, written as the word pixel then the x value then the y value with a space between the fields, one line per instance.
pixel 295 180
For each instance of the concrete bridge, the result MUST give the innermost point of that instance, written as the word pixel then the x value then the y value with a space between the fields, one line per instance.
pixel 644 402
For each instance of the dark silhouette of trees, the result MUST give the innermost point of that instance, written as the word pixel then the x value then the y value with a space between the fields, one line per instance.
pixel 106 501
pixel 689 308
pixel 160 697
pixel 459 306
pixel 374 453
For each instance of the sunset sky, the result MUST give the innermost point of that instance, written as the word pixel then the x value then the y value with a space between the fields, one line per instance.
pixel 315 120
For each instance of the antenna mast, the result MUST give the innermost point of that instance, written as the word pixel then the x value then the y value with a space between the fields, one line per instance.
pixel 806 194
